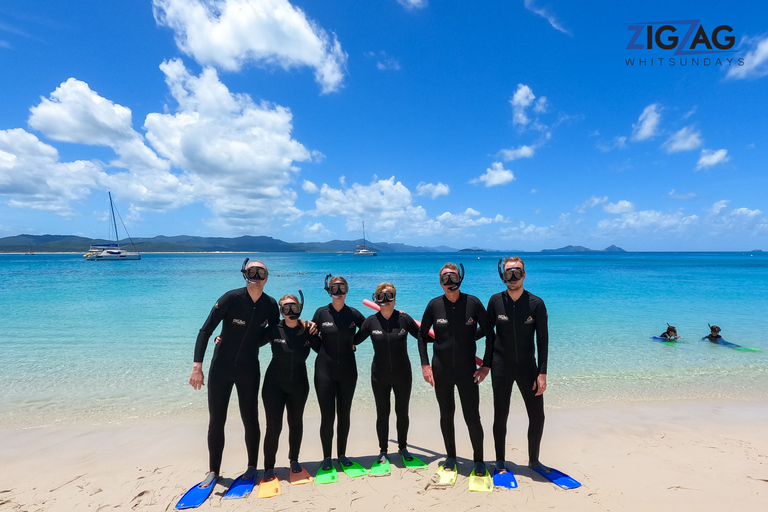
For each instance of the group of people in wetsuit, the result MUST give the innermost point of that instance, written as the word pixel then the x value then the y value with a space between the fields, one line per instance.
pixel 671 334
pixel 516 349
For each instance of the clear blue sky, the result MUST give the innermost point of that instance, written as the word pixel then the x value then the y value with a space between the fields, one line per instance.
pixel 506 125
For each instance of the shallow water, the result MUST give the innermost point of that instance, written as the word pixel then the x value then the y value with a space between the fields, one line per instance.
pixel 107 341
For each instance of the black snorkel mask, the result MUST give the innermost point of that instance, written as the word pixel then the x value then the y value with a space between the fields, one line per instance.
pixel 511 274
pixel 293 311
pixel 335 289
pixel 452 280
pixel 384 297
pixel 253 274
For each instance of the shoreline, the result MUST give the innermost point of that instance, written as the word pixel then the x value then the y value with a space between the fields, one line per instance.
pixel 680 454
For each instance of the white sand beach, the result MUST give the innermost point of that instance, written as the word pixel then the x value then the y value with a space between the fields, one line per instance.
pixel 704 455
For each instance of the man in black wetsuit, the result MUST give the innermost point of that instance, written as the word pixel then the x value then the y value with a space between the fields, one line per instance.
pixel 455 317
pixel 517 316
pixel 246 314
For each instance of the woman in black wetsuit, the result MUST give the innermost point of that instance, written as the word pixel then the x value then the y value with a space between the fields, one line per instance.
pixel 391 367
pixel 336 368
pixel 286 386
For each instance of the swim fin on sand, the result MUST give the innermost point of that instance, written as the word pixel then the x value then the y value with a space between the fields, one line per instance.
pixel 241 487
pixel 300 478
pixel 353 469
pixel 558 478
pixel 412 462
pixel 326 476
pixel 196 496
pixel 381 468
pixel 480 483
pixel 443 478
pixel 270 488
pixel 505 479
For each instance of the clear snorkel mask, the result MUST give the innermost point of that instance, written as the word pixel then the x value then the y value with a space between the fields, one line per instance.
pixel 453 280
pixel 383 297
pixel 293 310
pixel 511 274
pixel 335 289
pixel 253 274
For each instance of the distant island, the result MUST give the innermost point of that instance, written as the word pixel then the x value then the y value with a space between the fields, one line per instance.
pixel 31 244
pixel 579 248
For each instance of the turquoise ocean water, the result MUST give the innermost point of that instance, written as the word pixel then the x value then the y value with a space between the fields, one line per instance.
pixel 100 342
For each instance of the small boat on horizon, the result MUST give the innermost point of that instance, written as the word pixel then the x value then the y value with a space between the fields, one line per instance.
pixel 112 252
pixel 362 250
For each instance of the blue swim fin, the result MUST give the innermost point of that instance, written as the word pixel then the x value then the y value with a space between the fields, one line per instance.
pixel 558 478
pixel 504 479
pixel 195 497
pixel 241 487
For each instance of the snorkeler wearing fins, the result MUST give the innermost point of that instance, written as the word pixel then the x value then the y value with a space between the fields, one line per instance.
pixel 455 317
pixel 336 373
pixel 520 353
pixel 286 386
pixel 714 334
pixel 390 370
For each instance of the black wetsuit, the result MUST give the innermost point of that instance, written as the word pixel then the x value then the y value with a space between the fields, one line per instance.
pixel 714 338
pixel 514 359
pixel 336 373
pixel 390 371
pixel 286 387
pixel 453 363
pixel 235 363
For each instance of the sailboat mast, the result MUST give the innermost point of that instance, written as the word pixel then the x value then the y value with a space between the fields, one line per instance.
pixel 114 219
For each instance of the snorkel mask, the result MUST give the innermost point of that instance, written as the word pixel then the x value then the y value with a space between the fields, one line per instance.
pixel 453 280
pixel 511 274
pixel 335 289
pixel 383 297
pixel 253 274
pixel 293 310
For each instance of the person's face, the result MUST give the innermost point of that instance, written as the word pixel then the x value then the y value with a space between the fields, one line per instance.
pixel 448 278
pixel 339 290
pixel 386 293
pixel 289 308
pixel 517 270
pixel 257 274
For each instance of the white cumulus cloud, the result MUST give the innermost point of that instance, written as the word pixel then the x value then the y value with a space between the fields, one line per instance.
pixel 711 157
pixel 648 123
pixel 521 100
pixel 755 61
pixel 513 154
pixel 228 34
pixel 686 139
pixel 495 175
pixel 309 187
pixel 620 207
pixel 591 203
pixel 433 190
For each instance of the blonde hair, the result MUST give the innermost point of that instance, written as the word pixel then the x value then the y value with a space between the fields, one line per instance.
pixel 338 279
pixel 295 299
pixel 451 266
pixel 384 286
pixel 516 259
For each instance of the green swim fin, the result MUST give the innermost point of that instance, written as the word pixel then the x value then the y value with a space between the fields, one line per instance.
pixel 326 476
pixel 443 478
pixel 381 469
pixel 480 483
pixel 414 463
pixel 353 470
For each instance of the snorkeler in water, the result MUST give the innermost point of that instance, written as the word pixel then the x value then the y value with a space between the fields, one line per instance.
pixel 670 333
pixel 714 334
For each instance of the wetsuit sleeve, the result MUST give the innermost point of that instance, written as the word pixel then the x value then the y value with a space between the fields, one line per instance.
pixel 269 334
pixel 317 344
pixel 274 313
pixel 487 329
pixel 364 332
pixel 542 336
pixel 313 340
pixel 411 326
pixel 217 314
pixel 426 324
pixel 359 318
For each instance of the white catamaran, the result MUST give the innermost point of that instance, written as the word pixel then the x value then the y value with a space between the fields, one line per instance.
pixel 112 252
pixel 362 250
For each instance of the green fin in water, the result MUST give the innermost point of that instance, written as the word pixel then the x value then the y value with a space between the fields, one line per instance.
pixel 480 483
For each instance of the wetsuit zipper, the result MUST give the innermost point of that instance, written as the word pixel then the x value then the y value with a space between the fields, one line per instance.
pixel 250 322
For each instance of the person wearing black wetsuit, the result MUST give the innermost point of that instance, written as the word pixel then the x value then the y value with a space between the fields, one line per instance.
pixel 391 367
pixel 455 317
pixel 245 313
pixel 518 316
pixel 336 369
pixel 714 334
pixel 286 386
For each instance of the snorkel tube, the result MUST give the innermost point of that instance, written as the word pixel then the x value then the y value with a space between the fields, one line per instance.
pixel 242 270
pixel 501 270
pixel 326 285
pixel 455 287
